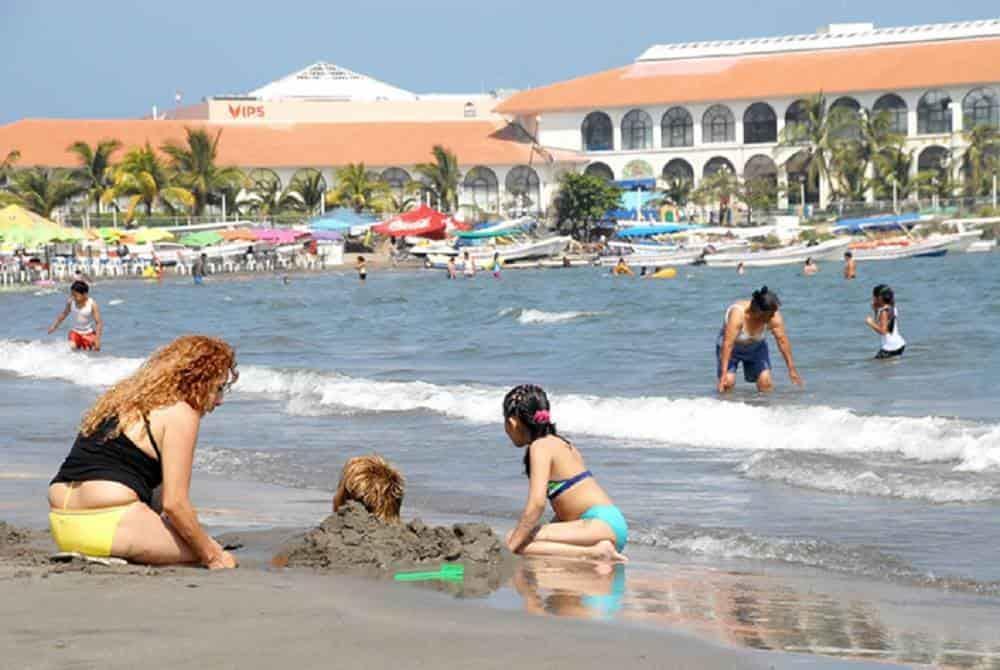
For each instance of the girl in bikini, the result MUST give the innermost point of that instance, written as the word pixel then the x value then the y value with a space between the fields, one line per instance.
pixel 588 525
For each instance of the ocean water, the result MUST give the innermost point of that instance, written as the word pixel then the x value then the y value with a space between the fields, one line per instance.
pixel 881 470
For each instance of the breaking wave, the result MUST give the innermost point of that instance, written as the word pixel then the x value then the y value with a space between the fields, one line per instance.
pixel 530 317
pixel 652 422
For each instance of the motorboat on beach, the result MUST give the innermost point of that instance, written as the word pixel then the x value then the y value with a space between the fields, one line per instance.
pixel 547 247
pixel 787 255
pixel 668 244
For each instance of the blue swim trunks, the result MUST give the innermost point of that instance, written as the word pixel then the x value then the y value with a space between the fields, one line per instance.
pixel 612 516
pixel 754 357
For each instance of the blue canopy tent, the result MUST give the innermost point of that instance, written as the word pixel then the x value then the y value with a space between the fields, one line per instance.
pixel 884 222
pixel 342 219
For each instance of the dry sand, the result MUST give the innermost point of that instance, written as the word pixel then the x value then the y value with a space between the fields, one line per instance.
pixel 84 616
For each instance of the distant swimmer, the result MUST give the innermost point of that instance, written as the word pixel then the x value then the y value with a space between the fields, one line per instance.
pixel 810 268
pixel 285 280
pixel 743 339
pixel 496 265
pixel 588 524
pixel 740 268
pixel 622 268
pixel 87 326
pixel 850 266
pixel 362 268
pixel 198 269
pixel 452 270
pixel 886 322
pixel 468 265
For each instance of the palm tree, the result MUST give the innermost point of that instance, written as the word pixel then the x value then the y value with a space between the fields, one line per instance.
pixel 144 180
pixel 194 169
pixel 359 188
pixel 441 177
pixel 981 155
pixel 7 165
pixel 95 172
pixel 815 137
pixel 892 164
pixel 309 187
pixel 848 170
pixel 42 190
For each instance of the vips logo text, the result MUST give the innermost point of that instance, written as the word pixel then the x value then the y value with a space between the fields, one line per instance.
pixel 246 111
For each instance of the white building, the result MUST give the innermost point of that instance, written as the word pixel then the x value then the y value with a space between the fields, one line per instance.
pixel 691 109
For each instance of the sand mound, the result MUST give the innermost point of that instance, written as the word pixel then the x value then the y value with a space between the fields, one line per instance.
pixel 353 538
pixel 11 536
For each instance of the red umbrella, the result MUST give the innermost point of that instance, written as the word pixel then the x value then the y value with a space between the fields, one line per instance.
pixel 423 221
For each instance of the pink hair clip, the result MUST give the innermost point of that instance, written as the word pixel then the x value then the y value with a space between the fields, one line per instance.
pixel 542 416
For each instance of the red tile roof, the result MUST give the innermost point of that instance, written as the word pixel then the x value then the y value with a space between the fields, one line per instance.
pixel 884 68
pixel 44 142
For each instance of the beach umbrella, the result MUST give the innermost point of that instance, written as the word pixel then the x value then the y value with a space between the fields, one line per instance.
pixel 109 234
pixel 204 238
pixel 327 236
pixel 277 235
pixel 342 218
pixel 423 221
pixel 240 234
pixel 146 235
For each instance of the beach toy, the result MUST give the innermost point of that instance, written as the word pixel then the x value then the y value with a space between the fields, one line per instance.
pixel 449 572
pixel 665 273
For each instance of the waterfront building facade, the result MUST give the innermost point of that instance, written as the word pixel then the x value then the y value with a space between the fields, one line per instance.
pixel 688 110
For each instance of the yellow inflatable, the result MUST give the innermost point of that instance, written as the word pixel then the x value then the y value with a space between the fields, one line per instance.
pixel 665 273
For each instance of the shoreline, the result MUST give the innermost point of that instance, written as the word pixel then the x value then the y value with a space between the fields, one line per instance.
pixel 257 617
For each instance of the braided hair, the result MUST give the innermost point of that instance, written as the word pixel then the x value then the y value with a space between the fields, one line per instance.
pixel 531 407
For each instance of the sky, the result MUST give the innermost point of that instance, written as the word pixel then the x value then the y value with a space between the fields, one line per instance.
pixel 115 59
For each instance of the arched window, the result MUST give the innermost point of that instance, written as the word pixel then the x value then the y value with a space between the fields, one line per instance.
pixel 637 130
pixel 934 113
pixel 718 164
pixel 597 132
pixel 600 170
pixel 718 125
pixel 895 108
pixel 678 169
pixel 396 178
pixel 677 128
pixel 980 108
pixel 481 188
pixel 797 123
pixel 760 167
pixel 800 180
pixel 934 159
pixel 524 187
pixel 846 112
pixel 760 125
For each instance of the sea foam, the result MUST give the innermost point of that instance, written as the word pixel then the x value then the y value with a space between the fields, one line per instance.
pixel 651 421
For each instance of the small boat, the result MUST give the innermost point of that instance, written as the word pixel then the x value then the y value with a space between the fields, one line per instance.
pixel 516 251
pixel 796 253
pixel 901 247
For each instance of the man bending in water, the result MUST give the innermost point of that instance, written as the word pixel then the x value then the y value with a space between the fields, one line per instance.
pixel 743 339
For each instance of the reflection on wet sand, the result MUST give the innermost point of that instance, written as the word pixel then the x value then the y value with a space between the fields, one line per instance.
pixel 768 612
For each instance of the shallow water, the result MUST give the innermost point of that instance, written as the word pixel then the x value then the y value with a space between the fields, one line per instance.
pixel 887 470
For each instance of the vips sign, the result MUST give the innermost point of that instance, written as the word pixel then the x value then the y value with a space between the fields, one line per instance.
pixel 246 111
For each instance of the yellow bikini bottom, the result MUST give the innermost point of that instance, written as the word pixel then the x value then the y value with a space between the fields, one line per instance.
pixel 87 531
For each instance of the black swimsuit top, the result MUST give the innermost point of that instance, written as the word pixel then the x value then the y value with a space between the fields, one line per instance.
pixel 114 459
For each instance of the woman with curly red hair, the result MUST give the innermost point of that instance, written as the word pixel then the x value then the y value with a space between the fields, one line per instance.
pixel 139 435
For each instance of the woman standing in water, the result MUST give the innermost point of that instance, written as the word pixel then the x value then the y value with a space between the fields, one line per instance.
pixel 141 434
pixel 743 339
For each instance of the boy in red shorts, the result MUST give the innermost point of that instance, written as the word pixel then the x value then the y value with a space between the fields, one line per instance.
pixel 87 325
